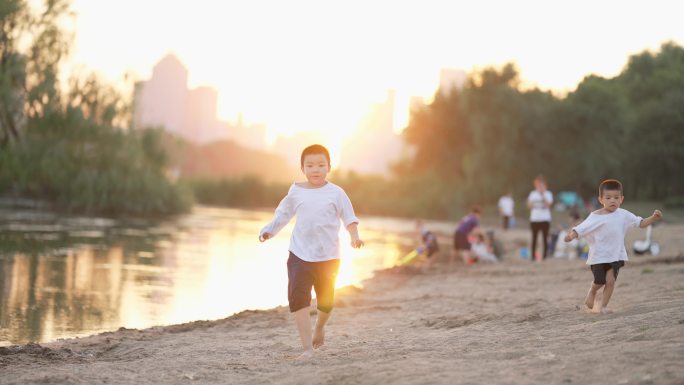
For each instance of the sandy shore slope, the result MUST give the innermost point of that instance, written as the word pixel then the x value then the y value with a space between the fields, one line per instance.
pixel 511 323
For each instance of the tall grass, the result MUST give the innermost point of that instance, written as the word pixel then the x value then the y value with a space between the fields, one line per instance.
pixel 85 167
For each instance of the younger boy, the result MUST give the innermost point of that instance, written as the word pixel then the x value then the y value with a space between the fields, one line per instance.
pixel 482 251
pixel 605 230
pixel 314 246
pixel 428 241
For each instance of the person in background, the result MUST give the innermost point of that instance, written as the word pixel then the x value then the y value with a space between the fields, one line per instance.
pixel 539 202
pixel 428 243
pixel 467 225
pixel 506 209
pixel 481 250
pixel 570 249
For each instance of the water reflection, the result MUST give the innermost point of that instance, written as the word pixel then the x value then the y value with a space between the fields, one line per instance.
pixel 64 277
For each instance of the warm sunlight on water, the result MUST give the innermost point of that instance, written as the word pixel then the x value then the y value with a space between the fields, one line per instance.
pixel 64 277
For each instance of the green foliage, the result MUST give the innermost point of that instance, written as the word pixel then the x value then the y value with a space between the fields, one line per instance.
pixel 248 192
pixel 69 148
pixel 493 136
pixel 420 195
pixel 472 145
pixel 90 168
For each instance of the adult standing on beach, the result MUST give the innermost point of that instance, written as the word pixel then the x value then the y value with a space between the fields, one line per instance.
pixel 539 202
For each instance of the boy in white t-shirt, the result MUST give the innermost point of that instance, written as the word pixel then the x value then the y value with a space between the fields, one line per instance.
pixel 314 246
pixel 605 230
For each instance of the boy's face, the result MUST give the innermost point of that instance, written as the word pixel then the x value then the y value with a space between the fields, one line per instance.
pixel 316 169
pixel 611 199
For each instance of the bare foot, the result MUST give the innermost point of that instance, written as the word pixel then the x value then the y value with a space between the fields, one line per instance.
pixel 305 356
pixel 318 337
pixel 589 301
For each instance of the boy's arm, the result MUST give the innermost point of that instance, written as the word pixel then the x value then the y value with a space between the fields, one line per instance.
pixel 350 220
pixel 657 215
pixel 353 229
pixel 587 226
pixel 283 215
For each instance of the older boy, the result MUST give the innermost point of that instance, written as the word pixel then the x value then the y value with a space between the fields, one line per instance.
pixel 314 246
pixel 605 230
pixel 467 225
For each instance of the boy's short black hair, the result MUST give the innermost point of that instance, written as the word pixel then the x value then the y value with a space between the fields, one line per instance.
pixel 610 184
pixel 315 149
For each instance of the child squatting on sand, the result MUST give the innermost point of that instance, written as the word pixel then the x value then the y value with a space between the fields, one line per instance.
pixel 605 230
pixel 314 258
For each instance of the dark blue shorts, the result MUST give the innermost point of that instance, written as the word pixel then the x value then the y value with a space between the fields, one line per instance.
pixel 601 269
pixel 303 275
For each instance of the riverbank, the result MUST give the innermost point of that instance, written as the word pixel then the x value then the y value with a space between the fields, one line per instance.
pixel 515 322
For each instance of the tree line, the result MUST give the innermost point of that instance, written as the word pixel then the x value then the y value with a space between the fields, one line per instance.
pixel 77 147
pixel 493 135
pixel 73 147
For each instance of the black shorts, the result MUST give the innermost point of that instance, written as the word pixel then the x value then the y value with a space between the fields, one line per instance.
pixel 461 241
pixel 303 275
pixel 600 270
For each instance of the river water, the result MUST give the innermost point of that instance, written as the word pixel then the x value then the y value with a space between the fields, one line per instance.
pixel 65 276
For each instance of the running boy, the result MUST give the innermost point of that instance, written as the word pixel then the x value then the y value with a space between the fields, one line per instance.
pixel 314 246
pixel 604 230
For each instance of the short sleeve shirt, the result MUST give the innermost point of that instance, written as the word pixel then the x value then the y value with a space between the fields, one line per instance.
pixel 605 234
pixel 540 213
pixel 467 224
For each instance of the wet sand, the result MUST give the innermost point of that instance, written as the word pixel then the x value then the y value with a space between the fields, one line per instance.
pixel 515 322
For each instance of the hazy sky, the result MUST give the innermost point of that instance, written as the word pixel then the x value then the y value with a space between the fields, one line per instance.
pixel 316 64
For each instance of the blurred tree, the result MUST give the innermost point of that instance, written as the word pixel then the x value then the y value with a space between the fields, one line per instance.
pixel 654 86
pixel 71 147
pixel 13 24
pixel 492 135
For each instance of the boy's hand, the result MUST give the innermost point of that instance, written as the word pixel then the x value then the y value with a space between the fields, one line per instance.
pixel 356 243
pixel 263 237
pixel 570 236
pixel 657 215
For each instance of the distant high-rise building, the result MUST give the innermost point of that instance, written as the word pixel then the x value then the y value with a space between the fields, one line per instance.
pixel 165 100
pixel 375 145
pixel 162 100
pixel 201 123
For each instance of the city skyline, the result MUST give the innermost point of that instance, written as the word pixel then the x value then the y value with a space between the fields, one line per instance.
pixel 165 100
pixel 329 63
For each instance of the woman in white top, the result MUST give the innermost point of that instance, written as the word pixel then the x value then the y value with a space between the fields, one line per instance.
pixel 539 202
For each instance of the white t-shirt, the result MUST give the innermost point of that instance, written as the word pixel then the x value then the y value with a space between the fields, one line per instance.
pixel 315 237
pixel 605 234
pixel 540 213
pixel 506 205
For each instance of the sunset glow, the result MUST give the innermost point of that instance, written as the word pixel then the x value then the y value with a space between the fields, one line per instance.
pixel 306 65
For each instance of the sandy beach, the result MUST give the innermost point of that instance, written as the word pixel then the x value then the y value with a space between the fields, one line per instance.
pixel 515 322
